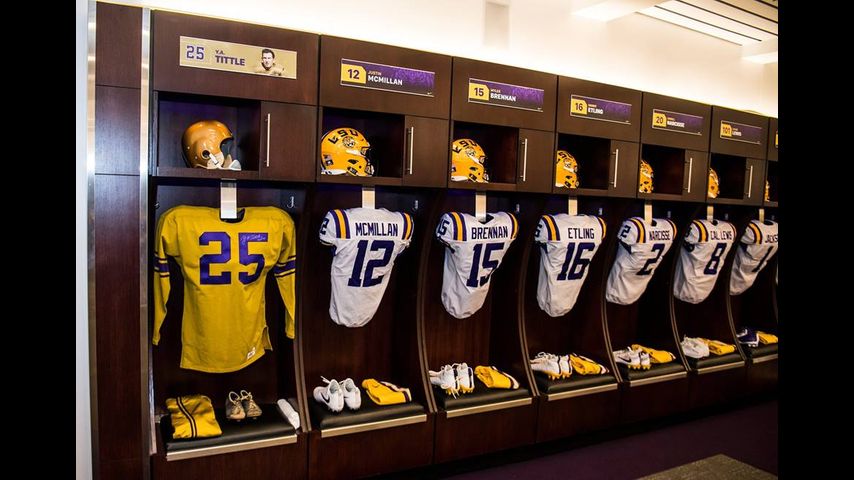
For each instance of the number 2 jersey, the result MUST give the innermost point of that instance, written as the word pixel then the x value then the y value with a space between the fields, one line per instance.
pixel 366 242
pixel 703 253
pixel 568 244
pixel 474 252
pixel 642 246
pixel 225 266
pixel 758 245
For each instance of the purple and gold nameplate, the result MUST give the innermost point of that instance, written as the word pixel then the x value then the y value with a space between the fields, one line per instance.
pixel 599 109
pixel 740 132
pixel 505 95
pixel 677 122
pixel 376 76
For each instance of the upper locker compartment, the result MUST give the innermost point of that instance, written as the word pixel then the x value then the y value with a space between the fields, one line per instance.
pixel 398 99
pixel 675 143
pixel 772 183
pixel 599 125
pixel 510 113
pixel 261 82
pixel 738 152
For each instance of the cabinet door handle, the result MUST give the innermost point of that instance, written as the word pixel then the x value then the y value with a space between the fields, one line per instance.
pixel 524 159
pixel 411 132
pixel 268 140
pixel 616 166
pixel 690 172
pixel 750 182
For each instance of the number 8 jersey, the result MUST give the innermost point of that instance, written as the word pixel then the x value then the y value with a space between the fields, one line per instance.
pixel 703 253
pixel 366 242
pixel 568 243
pixel 474 252
pixel 641 249
pixel 225 266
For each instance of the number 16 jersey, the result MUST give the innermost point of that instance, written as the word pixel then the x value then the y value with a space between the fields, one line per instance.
pixel 366 242
pixel 568 243
pixel 474 252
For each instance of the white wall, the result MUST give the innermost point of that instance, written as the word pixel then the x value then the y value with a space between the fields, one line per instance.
pixel 83 451
pixel 634 51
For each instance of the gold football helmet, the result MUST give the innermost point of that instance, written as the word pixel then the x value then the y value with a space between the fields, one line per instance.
pixel 206 144
pixel 714 183
pixel 645 178
pixel 566 170
pixel 345 151
pixel 468 161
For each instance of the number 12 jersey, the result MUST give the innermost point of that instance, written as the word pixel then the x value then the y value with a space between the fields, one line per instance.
pixel 474 252
pixel 366 242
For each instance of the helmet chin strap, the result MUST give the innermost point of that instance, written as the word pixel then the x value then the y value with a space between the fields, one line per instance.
pixel 230 164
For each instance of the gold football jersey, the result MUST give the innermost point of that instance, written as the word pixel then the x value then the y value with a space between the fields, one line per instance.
pixel 225 266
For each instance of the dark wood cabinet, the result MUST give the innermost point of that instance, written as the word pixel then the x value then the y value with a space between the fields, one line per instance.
pixel 696 176
pixel 623 169
pixel 117 130
pixel 738 133
pixel 118 46
pixel 535 172
pixel 169 75
pixel 287 146
pixel 773 134
pixel 426 154
pixel 754 184
pixel 598 110
pixel 423 68
pixel 674 122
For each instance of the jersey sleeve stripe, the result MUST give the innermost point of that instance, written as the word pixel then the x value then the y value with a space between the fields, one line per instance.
pixel 345 224
pixel 602 223
pixel 407 228
pixel 515 225
pixel 280 275
pixel 641 230
pixel 287 266
pixel 757 235
pixel 554 235
pixel 704 234
pixel 337 218
pixel 673 226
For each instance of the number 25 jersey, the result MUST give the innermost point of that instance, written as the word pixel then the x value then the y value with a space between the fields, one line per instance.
pixel 699 264
pixel 758 245
pixel 474 252
pixel 366 242
pixel 568 244
pixel 640 251
pixel 225 266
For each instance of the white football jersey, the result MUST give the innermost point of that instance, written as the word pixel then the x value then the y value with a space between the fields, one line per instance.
pixel 758 245
pixel 641 249
pixel 366 241
pixel 568 244
pixel 703 253
pixel 474 252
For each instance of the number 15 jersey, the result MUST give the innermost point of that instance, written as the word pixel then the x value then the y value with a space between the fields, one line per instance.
pixel 642 246
pixel 568 243
pixel 366 242
pixel 474 252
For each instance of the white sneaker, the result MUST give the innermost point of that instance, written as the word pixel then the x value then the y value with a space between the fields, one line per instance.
pixel 331 395
pixel 289 413
pixel 628 357
pixel 446 379
pixel 465 377
pixel 694 347
pixel 352 394
pixel 645 363
pixel 548 364
pixel 565 366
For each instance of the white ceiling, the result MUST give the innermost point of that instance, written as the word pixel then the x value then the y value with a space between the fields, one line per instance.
pixel 744 22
